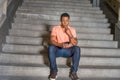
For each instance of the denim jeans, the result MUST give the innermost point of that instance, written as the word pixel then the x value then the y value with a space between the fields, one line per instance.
pixel 55 52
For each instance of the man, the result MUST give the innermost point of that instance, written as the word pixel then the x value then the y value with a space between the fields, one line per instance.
pixel 64 44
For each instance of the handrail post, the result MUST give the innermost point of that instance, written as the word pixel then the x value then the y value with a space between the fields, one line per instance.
pixel 119 14
pixel 95 3
pixel 117 33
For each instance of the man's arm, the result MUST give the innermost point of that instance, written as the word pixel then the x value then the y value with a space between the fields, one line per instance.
pixel 53 41
pixel 73 40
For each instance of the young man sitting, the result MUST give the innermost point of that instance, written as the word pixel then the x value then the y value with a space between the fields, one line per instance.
pixel 64 44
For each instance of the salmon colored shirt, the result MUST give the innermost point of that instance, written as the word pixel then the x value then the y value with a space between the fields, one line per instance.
pixel 61 35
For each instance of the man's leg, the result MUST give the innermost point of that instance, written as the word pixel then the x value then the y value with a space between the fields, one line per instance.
pixel 52 58
pixel 75 59
pixel 54 52
pixel 73 52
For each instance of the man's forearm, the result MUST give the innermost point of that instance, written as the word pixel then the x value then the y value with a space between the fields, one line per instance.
pixel 73 41
pixel 56 44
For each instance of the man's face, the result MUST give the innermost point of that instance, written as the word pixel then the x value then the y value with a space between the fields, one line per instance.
pixel 65 21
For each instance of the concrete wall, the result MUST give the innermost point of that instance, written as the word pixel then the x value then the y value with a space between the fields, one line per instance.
pixel 7 19
pixel 114 5
pixel 3 7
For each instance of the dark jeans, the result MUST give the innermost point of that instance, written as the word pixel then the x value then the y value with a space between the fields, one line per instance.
pixel 55 52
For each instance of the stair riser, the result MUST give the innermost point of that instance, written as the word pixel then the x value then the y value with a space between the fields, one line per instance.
pixel 84 51
pixel 61 9
pixel 38 41
pixel 64 5
pixel 59 13
pixel 61 6
pixel 38 49
pixel 46 19
pixel 58 1
pixel 76 24
pixel 57 18
pixel 63 0
pixel 45 28
pixel 64 72
pixel 43 34
pixel 43 59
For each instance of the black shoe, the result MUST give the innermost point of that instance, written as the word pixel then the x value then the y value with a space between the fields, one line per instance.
pixel 53 76
pixel 74 76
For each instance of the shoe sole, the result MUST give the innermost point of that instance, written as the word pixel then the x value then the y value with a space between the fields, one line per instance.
pixel 52 78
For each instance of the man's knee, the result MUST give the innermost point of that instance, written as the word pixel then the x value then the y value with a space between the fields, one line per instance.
pixel 77 49
pixel 51 48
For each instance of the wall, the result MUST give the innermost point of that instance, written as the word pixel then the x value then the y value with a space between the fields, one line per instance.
pixel 114 5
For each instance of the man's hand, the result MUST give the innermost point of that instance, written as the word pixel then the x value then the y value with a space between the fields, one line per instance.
pixel 68 32
pixel 73 40
pixel 66 45
pixel 62 45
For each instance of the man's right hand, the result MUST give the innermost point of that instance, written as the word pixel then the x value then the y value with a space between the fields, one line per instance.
pixel 66 45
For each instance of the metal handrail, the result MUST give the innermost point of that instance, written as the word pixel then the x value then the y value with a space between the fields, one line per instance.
pixel 117 33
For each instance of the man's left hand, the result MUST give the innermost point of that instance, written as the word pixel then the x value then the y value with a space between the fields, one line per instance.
pixel 68 32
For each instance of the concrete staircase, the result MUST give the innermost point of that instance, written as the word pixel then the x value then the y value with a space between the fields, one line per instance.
pixel 24 55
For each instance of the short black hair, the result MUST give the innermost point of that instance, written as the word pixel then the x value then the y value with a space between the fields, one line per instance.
pixel 64 15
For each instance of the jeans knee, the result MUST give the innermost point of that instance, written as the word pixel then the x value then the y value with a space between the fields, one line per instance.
pixel 77 49
pixel 51 48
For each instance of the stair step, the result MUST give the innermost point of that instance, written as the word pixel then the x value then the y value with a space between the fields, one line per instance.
pixel 63 72
pixel 22 48
pixel 33 78
pixel 39 9
pixel 43 59
pixel 69 5
pixel 37 49
pixel 76 4
pixel 41 41
pixel 56 18
pixel 72 14
pixel 89 10
pixel 99 44
pixel 48 28
pixel 24 40
pixel 46 22
pixel 43 34
pixel 46 78
pixel 56 4
pixel 28 33
pixel 105 52
pixel 60 1
pixel 26 78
